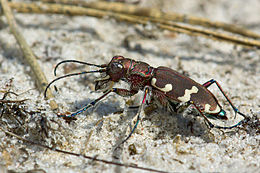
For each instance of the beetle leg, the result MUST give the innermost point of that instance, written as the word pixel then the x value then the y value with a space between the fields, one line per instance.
pixel 121 92
pixel 124 92
pixel 137 117
pixel 147 110
pixel 86 107
pixel 212 81
pixel 210 124
pixel 133 107
pixel 208 83
pixel 216 126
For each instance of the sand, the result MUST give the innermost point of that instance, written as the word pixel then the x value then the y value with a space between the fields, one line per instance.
pixel 163 140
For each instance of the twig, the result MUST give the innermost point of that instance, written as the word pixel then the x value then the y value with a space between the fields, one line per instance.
pixel 212 35
pixel 79 155
pixel 157 14
pixel 27 52
pixel 75 10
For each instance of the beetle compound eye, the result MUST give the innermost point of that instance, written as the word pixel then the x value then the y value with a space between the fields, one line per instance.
pixel 119 65
pixel 116 67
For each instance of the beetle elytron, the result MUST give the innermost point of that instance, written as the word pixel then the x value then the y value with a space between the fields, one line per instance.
pixel 162 84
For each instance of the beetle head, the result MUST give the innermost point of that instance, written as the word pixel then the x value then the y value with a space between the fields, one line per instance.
pixel 115 71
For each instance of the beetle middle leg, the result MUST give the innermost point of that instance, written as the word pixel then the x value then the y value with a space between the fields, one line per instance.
pixel 137 117
pixel 124 92
pixel 212 81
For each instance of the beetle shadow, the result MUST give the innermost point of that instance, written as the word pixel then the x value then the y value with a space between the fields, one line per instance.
pixel 165 123
pixel 170 125
pixel 101 108
pixel 186 125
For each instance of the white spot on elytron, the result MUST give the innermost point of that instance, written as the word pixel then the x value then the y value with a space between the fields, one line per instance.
pixel 207 109
pixel 188 93
pixel 167 87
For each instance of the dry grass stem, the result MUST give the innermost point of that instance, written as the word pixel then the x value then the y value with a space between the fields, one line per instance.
pixel 29 56
pixel 71 10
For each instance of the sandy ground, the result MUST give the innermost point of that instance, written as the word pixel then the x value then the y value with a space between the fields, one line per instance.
pixel 163 141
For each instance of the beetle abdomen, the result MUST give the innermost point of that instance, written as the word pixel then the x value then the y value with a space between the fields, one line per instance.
pixel 180 88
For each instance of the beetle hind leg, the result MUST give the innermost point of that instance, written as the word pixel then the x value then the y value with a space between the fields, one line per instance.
pixel 212 81
pixel 221 115
pixel 216 126
pixel 174 107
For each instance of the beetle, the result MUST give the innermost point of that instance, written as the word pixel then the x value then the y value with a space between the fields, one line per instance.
pixel 162 84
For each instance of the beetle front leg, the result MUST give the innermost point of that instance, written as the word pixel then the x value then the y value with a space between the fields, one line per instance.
pixel 86 107
pixel 124 92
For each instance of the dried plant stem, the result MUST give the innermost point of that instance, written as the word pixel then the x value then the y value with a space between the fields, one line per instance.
pixel 79 155
pixel 157 14
pixel 212 35
pixel 27 52
pixel 75 10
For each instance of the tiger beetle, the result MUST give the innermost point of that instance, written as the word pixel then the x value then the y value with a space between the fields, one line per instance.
pixel 162 84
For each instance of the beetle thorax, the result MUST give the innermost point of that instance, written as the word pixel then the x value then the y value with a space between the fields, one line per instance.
pixel 135 73
pixel 139 74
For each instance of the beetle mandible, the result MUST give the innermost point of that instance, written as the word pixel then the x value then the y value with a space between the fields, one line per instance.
pixel 167 86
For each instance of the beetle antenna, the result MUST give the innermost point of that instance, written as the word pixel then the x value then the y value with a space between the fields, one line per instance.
pixel 80 62
pixel 72 74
